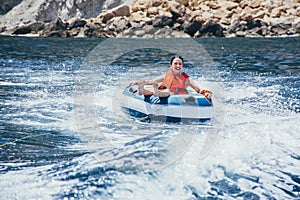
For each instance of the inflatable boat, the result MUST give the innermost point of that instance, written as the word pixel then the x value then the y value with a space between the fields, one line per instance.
pixel 174 108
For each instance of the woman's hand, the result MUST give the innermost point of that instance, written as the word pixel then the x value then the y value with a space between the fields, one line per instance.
pixel 206 93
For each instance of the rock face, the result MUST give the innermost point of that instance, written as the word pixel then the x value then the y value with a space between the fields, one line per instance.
pixel 6 5
pixel 153 18
pixel 23 12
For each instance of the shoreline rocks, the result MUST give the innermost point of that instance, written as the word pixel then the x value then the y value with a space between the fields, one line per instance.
pixel 175 18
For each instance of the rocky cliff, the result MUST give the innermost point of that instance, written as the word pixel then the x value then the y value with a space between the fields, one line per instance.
pixel 16 13
pixel 154 18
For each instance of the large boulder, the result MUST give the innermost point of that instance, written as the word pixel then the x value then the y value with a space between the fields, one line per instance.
pixel 34 28
pixel 57 25
pixel 253 24
pixel 76 23
pixel 177 10
pixel 162 21
pixel 297 27
pixel 118 24
pixel 119 11
pixel 96 30
pixel 212 29
pixel 107 16
pixel 191 27
pixel 183 2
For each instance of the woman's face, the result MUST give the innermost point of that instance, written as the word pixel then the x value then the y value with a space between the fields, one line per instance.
pixel 177 65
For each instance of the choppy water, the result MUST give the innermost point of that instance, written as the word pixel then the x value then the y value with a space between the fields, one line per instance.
pixel 63 135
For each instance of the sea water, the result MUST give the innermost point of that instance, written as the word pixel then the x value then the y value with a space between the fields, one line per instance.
pixel 63 134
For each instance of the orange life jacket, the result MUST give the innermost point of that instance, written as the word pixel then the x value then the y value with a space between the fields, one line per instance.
pixel 175 83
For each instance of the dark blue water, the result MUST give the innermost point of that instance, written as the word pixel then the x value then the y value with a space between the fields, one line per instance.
pixel 63 135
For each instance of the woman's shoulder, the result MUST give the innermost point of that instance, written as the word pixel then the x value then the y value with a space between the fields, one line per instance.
pixel 185 75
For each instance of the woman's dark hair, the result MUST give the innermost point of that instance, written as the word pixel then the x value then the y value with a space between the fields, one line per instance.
pixel 176 57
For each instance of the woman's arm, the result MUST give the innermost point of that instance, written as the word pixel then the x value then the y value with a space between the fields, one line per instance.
pixel 193 85
pixel 149 82
pixel 205 93
pixel 156 80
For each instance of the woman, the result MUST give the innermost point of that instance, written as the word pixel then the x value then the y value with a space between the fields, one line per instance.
pixel 173 82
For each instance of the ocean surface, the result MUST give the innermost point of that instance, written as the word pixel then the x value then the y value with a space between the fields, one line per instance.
pixel 63 134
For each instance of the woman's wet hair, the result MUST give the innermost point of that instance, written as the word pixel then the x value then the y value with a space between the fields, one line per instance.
pixel 176 57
